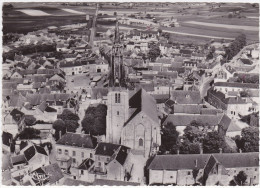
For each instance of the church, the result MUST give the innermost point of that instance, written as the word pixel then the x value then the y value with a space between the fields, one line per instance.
pixel 132 118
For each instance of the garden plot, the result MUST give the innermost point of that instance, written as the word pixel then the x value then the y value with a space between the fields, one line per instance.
pixel 32 12
pixel 249 28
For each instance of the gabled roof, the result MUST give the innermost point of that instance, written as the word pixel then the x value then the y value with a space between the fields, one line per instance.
pixel 106 149
pixel 16 114
pixel 186 97
pixel 246 61
pixel 237 84
pixel 103 182
pixel 143 102
pixel 7 138
pixel 19 159
pixel 184 161
pixel 178 162
pixel 30 152
pixel 186 119
pixel 72 182
pixel 77 140
pixel 122 155
pixel 86 164
pixel 54 172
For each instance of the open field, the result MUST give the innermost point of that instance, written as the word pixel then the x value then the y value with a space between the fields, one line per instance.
pixel 196 21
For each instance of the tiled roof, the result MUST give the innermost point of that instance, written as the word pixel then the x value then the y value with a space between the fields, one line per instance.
pixel 72 182
pixel 7 138
pixel 188 109
pixel 178 162
pixel 237 84
pixel 144 102
pixel 186 97
pixel 246 61
pixel 77 140
pixel 184 161
pixel 102 182
pixel 122 155
pixel 16 114
pixel 19 159
pixel 106 149
pixel 30 152
pixel 238 160
pixel 86 164
pixel 186 119
pixel 54 172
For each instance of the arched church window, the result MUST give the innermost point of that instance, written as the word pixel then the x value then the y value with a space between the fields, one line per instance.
pixel 141 142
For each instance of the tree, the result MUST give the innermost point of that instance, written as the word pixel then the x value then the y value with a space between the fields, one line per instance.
pixel 71 125
pixel 251 137
pixel 29 133
pixel 169 136
pixel 68 115
pixel 94 121
pixel 213 142
pixel 59 127
pixel 193 133
pixel 29 120
pixel 240 178
pixel 195 173
pixel 154 52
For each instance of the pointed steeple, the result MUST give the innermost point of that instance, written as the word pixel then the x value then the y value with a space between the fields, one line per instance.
pixel 117 36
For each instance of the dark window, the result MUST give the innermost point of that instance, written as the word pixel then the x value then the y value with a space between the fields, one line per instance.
pixel 82 172
pixel 118 98
pixel 141 142
pixel 90 155
pixel 188 173
pixel 118 113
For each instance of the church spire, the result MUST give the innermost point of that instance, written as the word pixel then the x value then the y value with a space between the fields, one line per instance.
pixel 117 36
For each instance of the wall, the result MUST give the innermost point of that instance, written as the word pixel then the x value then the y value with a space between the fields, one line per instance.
pixel 79 157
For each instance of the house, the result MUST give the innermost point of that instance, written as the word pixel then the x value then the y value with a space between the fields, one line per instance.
pixel 13 122
pixel 19 163
pixel 105 182
pixel 186 97
pixel 36 156
pixel 224 87
pixel 112 161
pixel 71 68
pixel 54 172
pixel 17 74
pixel 84 170
pixel 73 148
pixel 213 169
pixel 242 61
pixel 181 121
pixel 228 127
pixel 233 106
pixel 7 140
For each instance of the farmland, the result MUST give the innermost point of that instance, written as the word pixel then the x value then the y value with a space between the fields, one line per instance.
pixel 195 21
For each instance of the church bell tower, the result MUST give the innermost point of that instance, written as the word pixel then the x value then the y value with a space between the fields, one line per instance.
pixel 117 69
